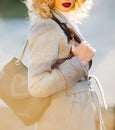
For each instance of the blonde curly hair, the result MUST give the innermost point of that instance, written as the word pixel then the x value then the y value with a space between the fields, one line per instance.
pixel 44 7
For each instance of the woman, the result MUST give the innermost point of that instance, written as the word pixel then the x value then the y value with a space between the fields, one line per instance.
pixel 71 102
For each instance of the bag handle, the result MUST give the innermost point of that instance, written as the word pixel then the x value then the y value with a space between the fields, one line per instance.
pixel 22 53
pixel 69 32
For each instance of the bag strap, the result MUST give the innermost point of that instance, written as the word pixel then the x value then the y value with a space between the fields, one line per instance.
pixel 69 32
pixel 22 53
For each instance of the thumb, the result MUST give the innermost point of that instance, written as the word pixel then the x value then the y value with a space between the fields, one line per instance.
pixel 73 47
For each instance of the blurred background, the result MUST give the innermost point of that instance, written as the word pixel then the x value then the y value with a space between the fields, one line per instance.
pixel 98 29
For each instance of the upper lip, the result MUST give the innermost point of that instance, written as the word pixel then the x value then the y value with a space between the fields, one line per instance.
pixel 66 4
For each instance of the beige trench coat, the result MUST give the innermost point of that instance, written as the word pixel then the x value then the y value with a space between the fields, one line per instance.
pixel 71 105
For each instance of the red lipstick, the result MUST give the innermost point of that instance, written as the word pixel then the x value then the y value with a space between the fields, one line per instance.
pixel 67 4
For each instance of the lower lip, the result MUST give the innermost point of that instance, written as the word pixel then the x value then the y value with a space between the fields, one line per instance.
pixel 66 5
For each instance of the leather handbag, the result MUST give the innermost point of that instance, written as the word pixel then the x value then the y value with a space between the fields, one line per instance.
pixel 14 86
pixel 14 92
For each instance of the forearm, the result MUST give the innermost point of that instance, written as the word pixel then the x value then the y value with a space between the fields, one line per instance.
pixel 52 81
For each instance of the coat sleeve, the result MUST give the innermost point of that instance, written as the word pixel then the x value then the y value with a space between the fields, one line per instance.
pixel 43 52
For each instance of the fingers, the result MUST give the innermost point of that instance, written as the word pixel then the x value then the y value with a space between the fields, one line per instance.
pixel 84 51
pixel 88 45
pixel 75 50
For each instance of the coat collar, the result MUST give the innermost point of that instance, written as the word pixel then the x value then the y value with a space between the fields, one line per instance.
pixel 59 15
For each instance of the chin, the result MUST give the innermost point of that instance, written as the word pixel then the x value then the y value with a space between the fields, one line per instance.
pixel 65 9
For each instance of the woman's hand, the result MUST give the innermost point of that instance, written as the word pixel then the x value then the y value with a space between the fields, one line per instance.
pixel 84 51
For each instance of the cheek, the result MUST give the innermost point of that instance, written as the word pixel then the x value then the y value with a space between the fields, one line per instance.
pixel 58 4
pixel 73 2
